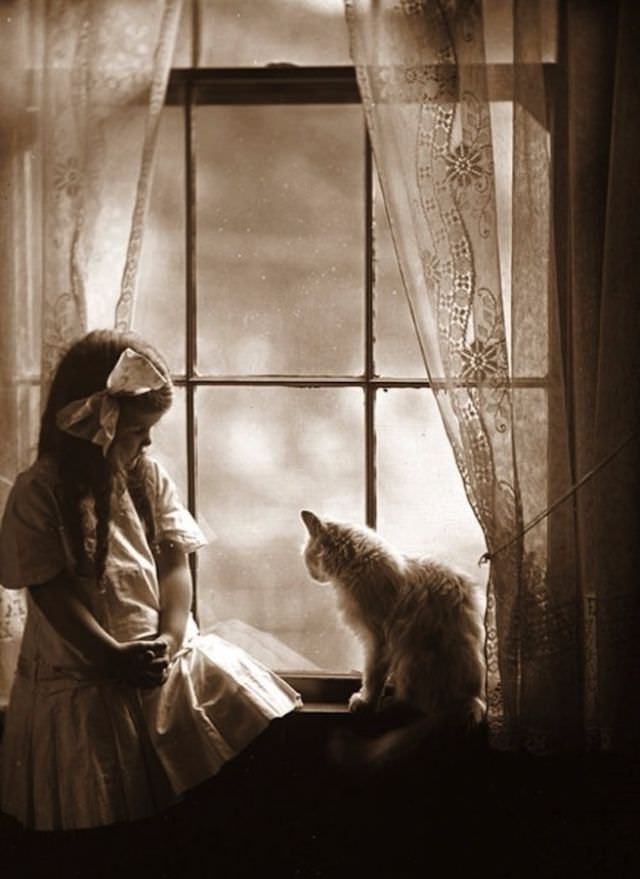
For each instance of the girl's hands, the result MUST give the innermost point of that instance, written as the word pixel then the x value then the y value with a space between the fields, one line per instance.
pixel 142 664
pixel 171 644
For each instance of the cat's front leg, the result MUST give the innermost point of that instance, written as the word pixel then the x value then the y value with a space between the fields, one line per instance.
pixel 374 677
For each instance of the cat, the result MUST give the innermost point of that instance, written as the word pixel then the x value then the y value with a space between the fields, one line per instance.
pixel 420 627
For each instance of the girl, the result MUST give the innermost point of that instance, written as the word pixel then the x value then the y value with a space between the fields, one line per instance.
pixel 119 705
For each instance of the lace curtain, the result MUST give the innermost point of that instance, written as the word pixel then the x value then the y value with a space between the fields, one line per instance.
pixel 83 85
pixel 489 329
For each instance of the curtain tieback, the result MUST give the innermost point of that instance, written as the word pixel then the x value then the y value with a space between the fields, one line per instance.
pixel 489 556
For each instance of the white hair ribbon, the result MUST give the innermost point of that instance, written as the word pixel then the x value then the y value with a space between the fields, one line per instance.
pixel 96 417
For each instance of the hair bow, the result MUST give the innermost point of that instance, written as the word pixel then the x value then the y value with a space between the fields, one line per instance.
pixel 96 417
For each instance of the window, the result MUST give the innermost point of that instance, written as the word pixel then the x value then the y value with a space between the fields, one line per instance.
pixel 269 280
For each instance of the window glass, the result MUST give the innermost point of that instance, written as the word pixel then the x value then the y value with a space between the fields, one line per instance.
pixel 422 506
pixel 280 286
pixel 247 33
pixel 169 442
pixel 502 143
pixel 183 50
pixel 264 454
pixel 160 301
pixel 280 218
pixel 397 353
pixel 497 20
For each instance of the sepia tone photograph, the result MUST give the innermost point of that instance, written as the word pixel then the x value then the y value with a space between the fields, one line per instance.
pixel 319 466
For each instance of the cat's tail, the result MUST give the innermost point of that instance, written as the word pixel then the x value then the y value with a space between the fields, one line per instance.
pixel 355 753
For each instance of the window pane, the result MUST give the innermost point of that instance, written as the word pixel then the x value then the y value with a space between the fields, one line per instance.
pixel 422 506
pixel 397 353
pixel 280 217
pixel 249 34
pixel 160 303
pixel 183 49
pixel 497 20
pixel 498 24
pixel 264 454
pixel 502 143
pixel 169 439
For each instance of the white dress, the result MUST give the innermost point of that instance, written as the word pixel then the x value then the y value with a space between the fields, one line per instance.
pixel 80 751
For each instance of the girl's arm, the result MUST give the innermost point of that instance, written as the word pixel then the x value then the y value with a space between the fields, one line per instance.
pixel 176 591
pixel 139 663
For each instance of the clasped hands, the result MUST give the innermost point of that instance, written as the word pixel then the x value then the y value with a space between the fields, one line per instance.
pixel 143 664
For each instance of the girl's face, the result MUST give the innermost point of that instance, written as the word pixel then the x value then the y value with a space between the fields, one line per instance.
pixel 133 435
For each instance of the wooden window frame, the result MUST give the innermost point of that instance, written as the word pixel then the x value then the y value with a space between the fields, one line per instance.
pixel 280 84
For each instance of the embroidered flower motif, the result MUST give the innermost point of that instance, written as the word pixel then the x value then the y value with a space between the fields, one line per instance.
pixel 68 177
pixel 464 165
pixel 481 361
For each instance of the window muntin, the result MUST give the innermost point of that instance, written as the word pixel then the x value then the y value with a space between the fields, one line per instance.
pixel 251 426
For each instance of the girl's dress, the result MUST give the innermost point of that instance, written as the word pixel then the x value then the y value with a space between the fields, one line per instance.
pixel 80 751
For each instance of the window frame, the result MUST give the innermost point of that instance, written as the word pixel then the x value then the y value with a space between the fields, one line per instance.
pixel 273 85
pixel 278 84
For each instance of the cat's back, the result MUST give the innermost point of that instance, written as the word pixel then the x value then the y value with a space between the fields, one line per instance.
pixel 433 586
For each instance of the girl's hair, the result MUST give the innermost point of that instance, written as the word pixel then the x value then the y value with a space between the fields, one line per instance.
pixel 84 470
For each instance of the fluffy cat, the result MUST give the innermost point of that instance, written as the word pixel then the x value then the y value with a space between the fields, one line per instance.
pixel 418 622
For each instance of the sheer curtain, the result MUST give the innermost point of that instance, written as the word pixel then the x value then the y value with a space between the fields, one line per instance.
pixel 493 334
pixel 82 89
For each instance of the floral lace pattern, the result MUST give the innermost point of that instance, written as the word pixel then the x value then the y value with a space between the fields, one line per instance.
pixel 422 75
pixel 114 61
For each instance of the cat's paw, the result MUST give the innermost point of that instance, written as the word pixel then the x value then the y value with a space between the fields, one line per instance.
pixel 359 703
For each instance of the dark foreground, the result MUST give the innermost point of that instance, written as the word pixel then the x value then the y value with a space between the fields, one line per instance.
pixel 281 809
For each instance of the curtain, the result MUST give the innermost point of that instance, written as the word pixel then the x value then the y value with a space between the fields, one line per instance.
pixel 83 84
pixel 492 324
pixel 597 181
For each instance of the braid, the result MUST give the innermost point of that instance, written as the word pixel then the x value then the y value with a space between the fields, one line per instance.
pixel 97 485
pixel 102 497
pixel 72 496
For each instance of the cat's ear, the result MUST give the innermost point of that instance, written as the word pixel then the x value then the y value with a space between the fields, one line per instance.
pixel 314 525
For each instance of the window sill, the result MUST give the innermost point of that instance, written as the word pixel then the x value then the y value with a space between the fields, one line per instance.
pixel 321 692
pixel 322 688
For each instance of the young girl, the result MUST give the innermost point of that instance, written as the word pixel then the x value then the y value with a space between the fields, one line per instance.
pixel 119 705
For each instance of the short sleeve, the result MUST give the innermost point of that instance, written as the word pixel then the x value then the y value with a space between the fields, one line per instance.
pixel 31 547
pixel 173 521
